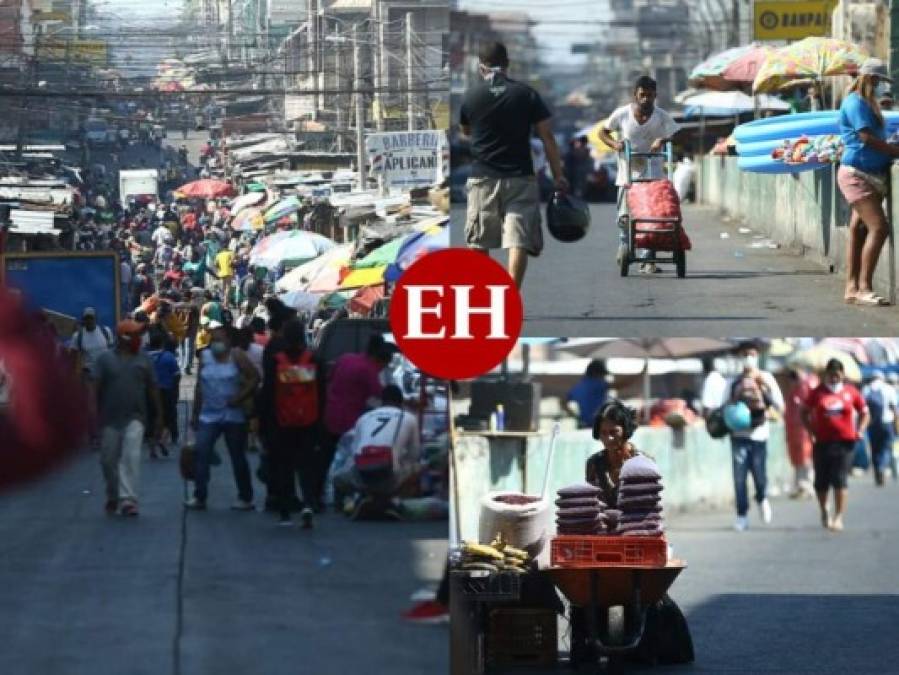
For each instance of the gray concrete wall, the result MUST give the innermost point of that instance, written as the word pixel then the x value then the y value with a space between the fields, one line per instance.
pixel 696 468
pixel 804 211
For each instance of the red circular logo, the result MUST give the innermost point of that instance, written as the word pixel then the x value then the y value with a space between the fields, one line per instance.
pixel 456 314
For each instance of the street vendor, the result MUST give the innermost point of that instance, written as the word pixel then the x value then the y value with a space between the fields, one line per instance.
pixel 666 638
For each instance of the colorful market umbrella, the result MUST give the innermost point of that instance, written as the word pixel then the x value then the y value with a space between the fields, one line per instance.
pixel 248 220
pixel 285 207
pixel 383 255
pixel 247 200
pixel 369 276
pixel 318 275
pixel 206 188
pixel 415 247
pixel 335 300
pixel 812 57
pixel 816 358
pixel 366 298
pixel 730 69
pixel 256 187
pixel 291 246
pixel 724 103
pixel 302 301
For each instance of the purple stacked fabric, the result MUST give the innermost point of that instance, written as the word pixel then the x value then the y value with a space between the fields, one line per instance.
pixel 579 510
pixel 640 498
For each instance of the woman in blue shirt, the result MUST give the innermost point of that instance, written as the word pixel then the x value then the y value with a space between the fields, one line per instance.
pixel 863 179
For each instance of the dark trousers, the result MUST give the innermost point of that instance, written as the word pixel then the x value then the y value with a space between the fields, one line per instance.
pixel 292 452
pixel 236 441
pixel 169 399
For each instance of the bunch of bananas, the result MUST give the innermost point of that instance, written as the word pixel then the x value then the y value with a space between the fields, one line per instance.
pixel 495 557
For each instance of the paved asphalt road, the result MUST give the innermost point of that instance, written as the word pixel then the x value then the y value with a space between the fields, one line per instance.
pixel 205 593
pixel 789 598
pixel 731 288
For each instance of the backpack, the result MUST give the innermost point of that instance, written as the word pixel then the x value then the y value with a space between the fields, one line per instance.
pixel 715 424
pixel 296 390
pixel 377 460
pixel 110 343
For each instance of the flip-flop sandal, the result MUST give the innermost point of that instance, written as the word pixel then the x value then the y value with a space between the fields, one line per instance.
pixel 871 299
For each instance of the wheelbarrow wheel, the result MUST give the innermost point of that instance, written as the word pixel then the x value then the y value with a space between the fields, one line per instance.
pixel 680 263
pixel 616 626
pixel 624 260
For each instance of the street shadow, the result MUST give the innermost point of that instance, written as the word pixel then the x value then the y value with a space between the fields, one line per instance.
pixel 734 633
pixel 757 274
pixel 608 317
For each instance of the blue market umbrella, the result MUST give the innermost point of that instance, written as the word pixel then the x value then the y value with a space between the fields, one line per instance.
pixel 285 207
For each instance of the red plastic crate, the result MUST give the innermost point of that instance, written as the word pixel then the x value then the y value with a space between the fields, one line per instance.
pixel 608 551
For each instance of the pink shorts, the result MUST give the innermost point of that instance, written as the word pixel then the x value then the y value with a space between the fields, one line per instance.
pixel 854 187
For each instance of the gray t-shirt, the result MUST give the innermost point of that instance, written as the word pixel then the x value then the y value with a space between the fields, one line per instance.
pixel 122 383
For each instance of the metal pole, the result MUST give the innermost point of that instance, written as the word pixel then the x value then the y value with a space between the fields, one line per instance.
pixel 338 81
pixel 410 113
pixel 360 111
pixel 380 76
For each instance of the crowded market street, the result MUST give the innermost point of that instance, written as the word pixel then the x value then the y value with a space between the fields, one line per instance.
pixel 193 593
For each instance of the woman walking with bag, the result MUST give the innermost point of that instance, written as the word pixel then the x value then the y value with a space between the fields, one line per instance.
pixel 863 179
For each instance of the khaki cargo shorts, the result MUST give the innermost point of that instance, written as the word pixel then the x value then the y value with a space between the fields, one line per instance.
pixel 504 213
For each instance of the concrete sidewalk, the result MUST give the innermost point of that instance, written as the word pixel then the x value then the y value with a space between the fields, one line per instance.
pixel 214 592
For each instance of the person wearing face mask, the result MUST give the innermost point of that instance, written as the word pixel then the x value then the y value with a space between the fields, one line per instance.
pixel 863 179
pixel 749 447
pixel 126 386
pixel 226 381
pixel 647 127
pixel 836 416
pixel 499 115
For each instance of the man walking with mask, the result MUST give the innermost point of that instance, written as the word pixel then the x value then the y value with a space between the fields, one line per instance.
pixel 749 448
pixel 126 386
pixel 648 128
pixel 499 114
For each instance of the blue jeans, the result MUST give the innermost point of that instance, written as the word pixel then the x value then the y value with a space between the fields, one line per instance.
pixel 236 441
pixel 187 352
pixel 860 459
pixel 881 437
pixel 749 457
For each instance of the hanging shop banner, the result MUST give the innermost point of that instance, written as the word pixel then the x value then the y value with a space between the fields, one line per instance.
pixel 791 19
pixel 408 159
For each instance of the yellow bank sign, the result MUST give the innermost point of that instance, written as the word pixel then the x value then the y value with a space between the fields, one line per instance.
pixel 791 19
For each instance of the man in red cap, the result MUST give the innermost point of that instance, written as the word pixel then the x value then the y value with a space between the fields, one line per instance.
pixel 126 382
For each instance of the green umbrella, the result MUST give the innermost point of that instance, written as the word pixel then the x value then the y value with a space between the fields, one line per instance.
pixel 334 301
pixel 386 254
pixel 255 187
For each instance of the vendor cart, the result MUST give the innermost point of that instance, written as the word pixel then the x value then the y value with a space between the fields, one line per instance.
pixel 632 225
pixel 615 600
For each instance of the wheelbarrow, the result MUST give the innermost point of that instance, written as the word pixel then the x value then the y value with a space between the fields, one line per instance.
pixel 615 600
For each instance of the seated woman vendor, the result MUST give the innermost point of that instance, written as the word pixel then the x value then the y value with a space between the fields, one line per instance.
pixel 666 638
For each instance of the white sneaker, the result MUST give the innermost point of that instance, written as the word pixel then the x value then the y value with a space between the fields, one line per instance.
pixel 241 505
pixel 741 524
pixel 765 509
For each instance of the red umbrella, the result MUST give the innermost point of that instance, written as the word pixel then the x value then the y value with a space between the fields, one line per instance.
pixel 207 188
pixel 365 299
pixel 43 417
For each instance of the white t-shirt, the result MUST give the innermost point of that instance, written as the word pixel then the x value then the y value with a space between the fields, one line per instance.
pixel 763 431
pixel 93 343
pixel 641 136
pixel 713 390
pixel 387 424
pixel 890 398
pixel 161 234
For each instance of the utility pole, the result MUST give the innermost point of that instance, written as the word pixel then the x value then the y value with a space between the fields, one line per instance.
pixel 380 77
pixel 338 85
pixel 410 112
pixel 360 111
pixel 735 22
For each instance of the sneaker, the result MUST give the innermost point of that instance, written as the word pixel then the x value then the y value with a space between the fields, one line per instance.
pixel 349 505
pixel 765 509
pixel 195 504
pixel 306 518
pixel 241 505
pixel 428 611
pixel 741 524
pixel 129 509
pixel 112 506
pixel 836 525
